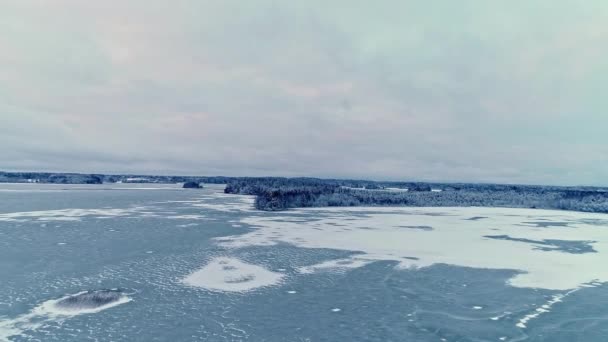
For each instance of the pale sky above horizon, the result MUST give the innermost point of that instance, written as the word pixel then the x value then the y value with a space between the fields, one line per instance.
pixel 479 91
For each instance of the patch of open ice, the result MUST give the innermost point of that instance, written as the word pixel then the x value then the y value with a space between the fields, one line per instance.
pixel 232 275
pixel 376 234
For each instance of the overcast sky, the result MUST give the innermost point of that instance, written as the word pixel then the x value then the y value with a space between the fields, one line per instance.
pixel 488 91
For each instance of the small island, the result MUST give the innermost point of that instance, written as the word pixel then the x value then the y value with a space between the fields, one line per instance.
pixel 192 185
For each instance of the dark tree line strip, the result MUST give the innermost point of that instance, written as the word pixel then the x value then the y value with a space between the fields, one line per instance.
pixel 284 193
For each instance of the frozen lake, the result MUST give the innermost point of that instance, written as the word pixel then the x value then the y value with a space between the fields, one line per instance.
pixel 129 262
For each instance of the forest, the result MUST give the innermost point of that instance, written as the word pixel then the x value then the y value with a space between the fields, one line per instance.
pixel 284 193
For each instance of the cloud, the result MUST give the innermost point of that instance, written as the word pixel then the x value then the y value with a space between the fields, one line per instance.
pixel 470 91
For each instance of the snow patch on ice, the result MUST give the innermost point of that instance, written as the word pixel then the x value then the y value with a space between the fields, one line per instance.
pixel 335 265
pixel 65 214
pixel 376 234
pixel 225 274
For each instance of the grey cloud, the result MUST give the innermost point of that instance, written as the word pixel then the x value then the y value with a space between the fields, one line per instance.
pixel 470 91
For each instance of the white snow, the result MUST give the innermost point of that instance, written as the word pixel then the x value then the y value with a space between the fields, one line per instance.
pixel 334 265
pixel 65 214
pixel 232 275
pixel 379 234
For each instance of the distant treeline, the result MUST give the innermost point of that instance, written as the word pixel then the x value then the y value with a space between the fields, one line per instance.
pixel 81 178
pixel 285 193
pixel 277 193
